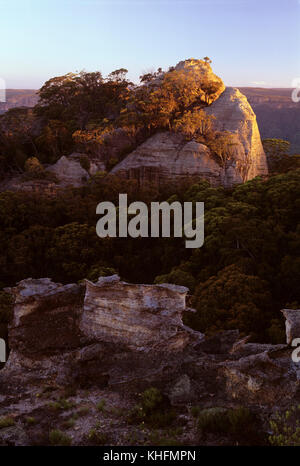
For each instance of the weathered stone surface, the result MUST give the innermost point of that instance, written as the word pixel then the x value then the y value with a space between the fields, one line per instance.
pixel 233 113
pixel 128 337
pixel 69 172
pixel 292 324
pixel 142 317
pixel 166 156
pixel 266 377
pixel 45 317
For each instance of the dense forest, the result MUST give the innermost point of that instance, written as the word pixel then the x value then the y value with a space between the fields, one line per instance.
pixel 249 266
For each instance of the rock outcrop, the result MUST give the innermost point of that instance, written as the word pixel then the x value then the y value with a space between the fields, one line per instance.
pixel 63 333
pixel 126 337
pixel 69 172
pixel 142 317
pixel 292 324
pixel 234 114
pixel 167 156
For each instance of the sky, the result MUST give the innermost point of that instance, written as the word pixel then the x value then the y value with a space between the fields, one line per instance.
pixel 250 42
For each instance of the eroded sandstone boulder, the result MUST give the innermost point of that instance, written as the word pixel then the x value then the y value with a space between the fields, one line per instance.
pixel 69 171
pixel 234 114
pixel 128 337
pixel 142 317
pixel 166 155
pixel 292 324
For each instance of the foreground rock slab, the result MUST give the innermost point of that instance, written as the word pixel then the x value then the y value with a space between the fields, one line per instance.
pixel 125 337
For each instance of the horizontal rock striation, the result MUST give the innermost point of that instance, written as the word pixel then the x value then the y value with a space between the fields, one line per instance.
pixel 167 156
pixel 142 317
pixel 128 337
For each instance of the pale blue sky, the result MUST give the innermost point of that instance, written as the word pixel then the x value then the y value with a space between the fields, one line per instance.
pixel 249 41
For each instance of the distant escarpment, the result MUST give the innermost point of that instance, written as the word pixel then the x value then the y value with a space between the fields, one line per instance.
pixel 277 115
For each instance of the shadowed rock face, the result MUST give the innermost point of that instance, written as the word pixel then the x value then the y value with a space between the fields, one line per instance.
pixel 167 155
pixel 292 324
pixel 129 337
pixel 69 172
pixel 54 307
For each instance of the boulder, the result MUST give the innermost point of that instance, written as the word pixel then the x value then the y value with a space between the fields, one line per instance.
pixel 292 324
pixel 141 317
pixel 69 172
pixel 168 156
pixel 234 114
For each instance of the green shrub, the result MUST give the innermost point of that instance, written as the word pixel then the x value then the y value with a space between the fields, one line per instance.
pixel 100 438
pixel 238 422
pixel 61 405
pixel 286 428
pixel 30 420
pixel 57 437
pixel 69 422
pixel 213 420
pixel 241 420
pixel 154 410
pixel 101 405
pixel 83 411
pixel 6 421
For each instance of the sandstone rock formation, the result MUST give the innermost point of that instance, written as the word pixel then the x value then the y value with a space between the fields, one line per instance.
pixel 128 337
pixel 142 317
pixel 79 337
pixel 69 172
pixel 292 324
pixel 233 113
pixel 167 156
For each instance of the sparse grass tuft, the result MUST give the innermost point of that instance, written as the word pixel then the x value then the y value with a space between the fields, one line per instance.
pixel 6 421
pixel 57 437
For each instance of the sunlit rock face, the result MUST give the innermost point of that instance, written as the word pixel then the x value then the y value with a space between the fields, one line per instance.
pixel 234 114
pixel 203 72
pixel 168 156
pixel 141 317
